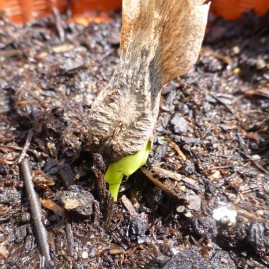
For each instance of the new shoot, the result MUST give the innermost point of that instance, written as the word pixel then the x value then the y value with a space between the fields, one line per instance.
pixel 125 167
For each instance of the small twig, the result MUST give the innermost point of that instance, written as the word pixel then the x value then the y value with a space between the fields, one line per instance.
pixel 221 102
pixel 219 56
pixel 69 238
pixel 15 37
pixel 10 53
pixel 247 214
pixel 34 152
pixel 132 251
pixel 191 183
pixel 58 24
pixel 35 208
pixel 246 155
pixel 242 143
pixel 265 171
pixel 176 148
pixel 160 185
pixel 26 145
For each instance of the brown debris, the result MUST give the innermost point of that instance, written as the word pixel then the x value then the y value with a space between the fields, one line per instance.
pixel 262 92
pixel 128 205
pixel 176 148
pixel 160 185
pixel 66 174
pixel 175 176
pixel 51 205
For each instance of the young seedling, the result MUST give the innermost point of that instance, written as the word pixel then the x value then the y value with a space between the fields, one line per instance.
pixel 125 167
pixel 160 40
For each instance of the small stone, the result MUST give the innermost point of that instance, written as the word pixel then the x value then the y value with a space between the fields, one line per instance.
pixel 255 157
pixel 10 196
pixel 137 228
pixel 235 50
pixel 179 124
pixel 180 208
pixel 188 214
pixel 92 251
pixel 225 215
pixel 215 176
pixel 21 233
pixel 236 70
pixel 221 259
pixel 114 38
pixel 3 250
pixel 260 63
pixel 194 201
pixel 25 217
pixel 84 254
pixel 77 200
pixel 259 212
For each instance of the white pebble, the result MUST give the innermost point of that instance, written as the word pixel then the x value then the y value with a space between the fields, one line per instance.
pixel 225 215
pixel 84 254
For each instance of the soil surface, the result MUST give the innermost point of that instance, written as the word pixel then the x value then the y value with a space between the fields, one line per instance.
pixel 202 199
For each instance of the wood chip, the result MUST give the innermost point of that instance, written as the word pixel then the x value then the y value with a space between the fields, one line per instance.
pixel 160 185
pixel 174 175
pixel 62 48
pixel 128 205
pixel 41 55
pixel 263 92
pixel 176 148
pixel 3 250
pixel 51 205
pixel 115 251
pixel 217 55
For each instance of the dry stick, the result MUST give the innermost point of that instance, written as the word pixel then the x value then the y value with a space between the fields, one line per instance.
pixel 35 208
pixel 176 149
pixel 221 102
pixel 160 185
pixel 33 151
pixel 58 23
pixel 191 183
pixel 69 237
pixel 246 155
pixel 10 53
pixel 26 146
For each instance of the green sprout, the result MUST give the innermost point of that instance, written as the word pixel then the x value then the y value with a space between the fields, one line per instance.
pixel 125 167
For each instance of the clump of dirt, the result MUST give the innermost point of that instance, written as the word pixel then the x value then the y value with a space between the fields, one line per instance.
pixel 201 201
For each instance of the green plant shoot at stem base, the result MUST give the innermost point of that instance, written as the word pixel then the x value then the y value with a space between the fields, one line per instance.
pixel 125 167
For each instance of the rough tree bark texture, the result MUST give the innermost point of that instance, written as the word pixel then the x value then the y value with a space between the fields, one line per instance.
pixel 160 40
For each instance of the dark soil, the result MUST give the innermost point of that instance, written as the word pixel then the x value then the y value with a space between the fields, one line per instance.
pixel 210 152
